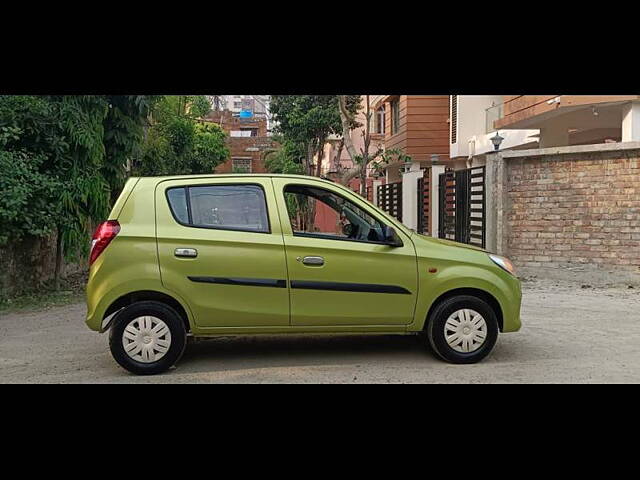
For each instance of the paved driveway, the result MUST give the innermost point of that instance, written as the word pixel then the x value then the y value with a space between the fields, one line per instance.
pixel 570 334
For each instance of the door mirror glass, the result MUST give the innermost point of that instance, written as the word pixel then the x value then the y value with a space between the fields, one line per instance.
pixel 391 238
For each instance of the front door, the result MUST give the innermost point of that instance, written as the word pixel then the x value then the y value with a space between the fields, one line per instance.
pixel 341 272
pixel 220 249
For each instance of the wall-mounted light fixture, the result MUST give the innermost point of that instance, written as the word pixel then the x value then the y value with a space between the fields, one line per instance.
pixel 496 140
pixel 406 167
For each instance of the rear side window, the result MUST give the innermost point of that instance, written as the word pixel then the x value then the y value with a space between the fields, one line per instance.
pixel 178 201
pixel 226 207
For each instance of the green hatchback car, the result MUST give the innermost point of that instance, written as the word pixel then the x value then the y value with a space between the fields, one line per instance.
pixel 211 255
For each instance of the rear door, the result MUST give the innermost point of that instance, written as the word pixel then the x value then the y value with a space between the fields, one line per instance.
pixel 220 248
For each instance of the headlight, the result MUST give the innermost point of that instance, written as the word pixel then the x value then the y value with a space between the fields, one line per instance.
pixel 503 263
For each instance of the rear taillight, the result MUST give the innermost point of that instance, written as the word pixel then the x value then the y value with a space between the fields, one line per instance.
pixel 103 235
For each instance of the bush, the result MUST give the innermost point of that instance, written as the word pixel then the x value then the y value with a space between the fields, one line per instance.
pixel 27 203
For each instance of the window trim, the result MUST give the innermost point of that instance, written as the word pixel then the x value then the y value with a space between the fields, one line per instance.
pixel 325 236
pixel 187 188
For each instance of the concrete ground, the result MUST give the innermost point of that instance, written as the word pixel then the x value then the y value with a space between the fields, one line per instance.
pixel 571 332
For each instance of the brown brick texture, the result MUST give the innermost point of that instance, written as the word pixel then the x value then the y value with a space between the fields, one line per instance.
pixel 581 208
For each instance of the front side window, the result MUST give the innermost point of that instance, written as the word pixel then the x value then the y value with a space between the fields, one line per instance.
pixel 316 212
pixel 226 207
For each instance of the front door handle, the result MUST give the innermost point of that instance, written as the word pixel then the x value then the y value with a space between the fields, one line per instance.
pixel 313 261
pixel 186 252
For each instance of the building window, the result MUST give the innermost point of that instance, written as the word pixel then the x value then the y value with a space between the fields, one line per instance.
pixel 249 132
pixel 395 116
pixel 379 119
pixel 241 165
pixel 244 132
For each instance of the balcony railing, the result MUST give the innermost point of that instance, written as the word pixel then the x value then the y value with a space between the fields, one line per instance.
pixel 491 115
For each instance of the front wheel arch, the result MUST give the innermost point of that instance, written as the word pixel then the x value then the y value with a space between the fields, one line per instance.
pixel 474 292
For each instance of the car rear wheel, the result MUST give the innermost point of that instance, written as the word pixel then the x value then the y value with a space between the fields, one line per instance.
pixel 147 338
pixel 462 329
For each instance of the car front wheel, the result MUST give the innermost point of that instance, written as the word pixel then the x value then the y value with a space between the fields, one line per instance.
pixel 462 329
pixel 147 338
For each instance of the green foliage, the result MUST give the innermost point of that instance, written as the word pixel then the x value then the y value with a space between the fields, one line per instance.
pixel 68 155
pixel 124 133
pixel 200 106
pixel 27 203
pixel 307 120
pixel 382 158
pixel 287 159
pixel 192 106
pixel 176 144
pixel 209 148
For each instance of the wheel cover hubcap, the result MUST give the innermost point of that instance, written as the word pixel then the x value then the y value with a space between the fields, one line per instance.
pixel 465 330
pixel 146 339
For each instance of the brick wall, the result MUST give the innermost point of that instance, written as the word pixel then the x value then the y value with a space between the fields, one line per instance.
pixel 575 208
pixel 249 147
pixel 253 148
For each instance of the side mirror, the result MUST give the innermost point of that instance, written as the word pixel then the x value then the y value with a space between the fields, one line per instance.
pixel 348 230
pixel 391 238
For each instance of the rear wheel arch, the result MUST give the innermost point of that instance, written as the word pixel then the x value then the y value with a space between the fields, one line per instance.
pixel 474 292
pixel 146 295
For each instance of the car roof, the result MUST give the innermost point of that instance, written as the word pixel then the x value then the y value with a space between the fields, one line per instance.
pixel 237 175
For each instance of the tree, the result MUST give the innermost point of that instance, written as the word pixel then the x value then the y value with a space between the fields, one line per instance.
pixel 73 150
pixel 360 159
pixel 364 158
pixel 177 144
pixel 124 131
pixel 200 106
pixel 285 159
pixel 307 121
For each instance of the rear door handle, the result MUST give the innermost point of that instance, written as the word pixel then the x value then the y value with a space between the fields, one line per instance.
pixel 186 252
pixel 314 261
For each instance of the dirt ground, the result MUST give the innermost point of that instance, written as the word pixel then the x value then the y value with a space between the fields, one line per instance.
pixel 572 332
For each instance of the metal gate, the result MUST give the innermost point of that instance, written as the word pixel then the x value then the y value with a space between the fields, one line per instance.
pixel 390 199
pixel 424 203
pixel 462 206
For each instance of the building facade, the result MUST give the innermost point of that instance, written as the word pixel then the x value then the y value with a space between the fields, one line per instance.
pixel 247 139
pixel 471 128
pixel 417 125
pixel 258 105
pixel 565 120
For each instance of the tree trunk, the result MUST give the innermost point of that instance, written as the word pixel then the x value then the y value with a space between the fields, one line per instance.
pixel 59 261
pixel 365 152
pixel 320 157
pixel 338 160
pixel 345 117
pixel 308 160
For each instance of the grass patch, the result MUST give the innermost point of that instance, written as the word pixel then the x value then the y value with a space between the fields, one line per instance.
pixel 72 290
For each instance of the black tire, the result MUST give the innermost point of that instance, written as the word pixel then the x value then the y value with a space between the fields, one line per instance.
pixel 155 309
pixel 436 331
